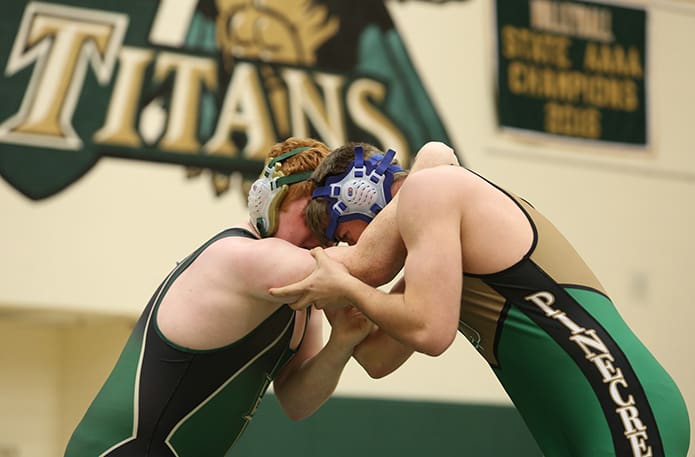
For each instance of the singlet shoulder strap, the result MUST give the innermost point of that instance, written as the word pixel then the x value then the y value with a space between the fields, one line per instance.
pixel 235 231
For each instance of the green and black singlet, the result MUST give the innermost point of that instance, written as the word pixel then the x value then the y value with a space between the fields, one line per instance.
pixel 162 400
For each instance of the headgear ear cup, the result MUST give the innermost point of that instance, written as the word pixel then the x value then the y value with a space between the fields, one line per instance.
pixel 268 192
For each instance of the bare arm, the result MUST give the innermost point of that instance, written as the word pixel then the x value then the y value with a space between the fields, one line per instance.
pixel 425 316
pixel 380 354
pixel 378 257
pixel 312 376
pixel 380 253
pixel 309 379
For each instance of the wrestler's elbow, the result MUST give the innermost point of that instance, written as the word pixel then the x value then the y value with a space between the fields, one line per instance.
pixel 296 416
pixel 376 277
pixel 295 411
pixel 433 341
pixel 379 370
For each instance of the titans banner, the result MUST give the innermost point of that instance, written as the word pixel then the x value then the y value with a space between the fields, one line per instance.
pixel 209 85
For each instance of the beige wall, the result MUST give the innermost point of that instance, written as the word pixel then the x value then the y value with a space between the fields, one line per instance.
pixel 53 365
pixel 29 398
pixel 103 245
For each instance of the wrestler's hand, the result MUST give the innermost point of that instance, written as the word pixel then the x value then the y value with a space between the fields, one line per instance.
pixel 325 287
pixel 349 326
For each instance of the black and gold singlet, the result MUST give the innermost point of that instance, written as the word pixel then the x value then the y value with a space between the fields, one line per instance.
pixel 583 382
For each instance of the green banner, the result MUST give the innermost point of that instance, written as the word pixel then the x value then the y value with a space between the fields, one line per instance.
pixel 574 69
pixel 204 84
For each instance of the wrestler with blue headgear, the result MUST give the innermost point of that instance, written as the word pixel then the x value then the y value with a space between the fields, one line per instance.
pixel 354 183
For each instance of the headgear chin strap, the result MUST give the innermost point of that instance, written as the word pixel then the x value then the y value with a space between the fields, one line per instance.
pixel 361 191
pixel 268 191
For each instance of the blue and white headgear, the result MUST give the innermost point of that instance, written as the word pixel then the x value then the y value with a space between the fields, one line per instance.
pixel 361 191
pixel 268 192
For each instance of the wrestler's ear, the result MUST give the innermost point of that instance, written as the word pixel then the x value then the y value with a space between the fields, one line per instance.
pixel 269 190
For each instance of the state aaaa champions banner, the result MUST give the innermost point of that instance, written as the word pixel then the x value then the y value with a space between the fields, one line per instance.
pixel 574 69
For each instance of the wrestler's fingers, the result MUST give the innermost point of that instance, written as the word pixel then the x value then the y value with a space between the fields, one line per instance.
pixel 291 290
pixel 320 255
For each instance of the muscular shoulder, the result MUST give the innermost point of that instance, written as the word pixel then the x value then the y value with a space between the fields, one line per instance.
pixel 260 264
pixel 432 154
pixel 435 188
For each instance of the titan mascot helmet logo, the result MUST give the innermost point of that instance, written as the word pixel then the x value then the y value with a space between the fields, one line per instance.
pixel 268 192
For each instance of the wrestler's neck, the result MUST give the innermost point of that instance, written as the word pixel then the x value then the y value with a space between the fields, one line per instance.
pixel 251 228
pixel 396 186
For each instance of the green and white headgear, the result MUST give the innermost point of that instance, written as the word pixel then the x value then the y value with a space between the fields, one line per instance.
pixel 268 192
